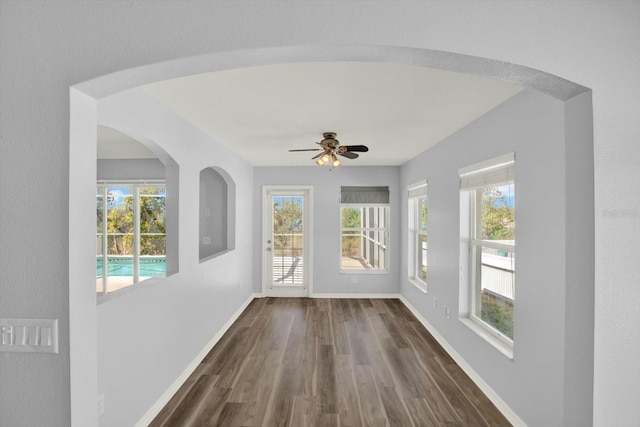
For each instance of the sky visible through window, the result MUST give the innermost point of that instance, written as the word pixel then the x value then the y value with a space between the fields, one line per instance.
pixel 507 192
pixel 120 193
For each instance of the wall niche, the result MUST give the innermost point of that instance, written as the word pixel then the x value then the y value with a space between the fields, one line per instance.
pixel 217 212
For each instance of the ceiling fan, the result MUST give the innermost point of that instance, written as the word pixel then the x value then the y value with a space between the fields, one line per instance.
pixel 331 147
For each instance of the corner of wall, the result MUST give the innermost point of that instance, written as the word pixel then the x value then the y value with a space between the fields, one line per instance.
pixel 580 260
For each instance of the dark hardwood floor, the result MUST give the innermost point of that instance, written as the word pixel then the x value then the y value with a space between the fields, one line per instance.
pixel 328 362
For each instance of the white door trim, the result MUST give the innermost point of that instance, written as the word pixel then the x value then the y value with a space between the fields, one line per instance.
pixel 308 232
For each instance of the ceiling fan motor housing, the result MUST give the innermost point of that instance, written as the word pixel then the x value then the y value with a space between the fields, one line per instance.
pixel 329 140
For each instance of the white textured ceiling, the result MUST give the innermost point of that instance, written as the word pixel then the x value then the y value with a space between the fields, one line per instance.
pixel 397 110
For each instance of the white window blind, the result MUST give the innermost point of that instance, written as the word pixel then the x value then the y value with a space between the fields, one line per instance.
pixel 418 190
pixel 488 173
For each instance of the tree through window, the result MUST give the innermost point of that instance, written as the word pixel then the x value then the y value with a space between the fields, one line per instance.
pixel 365 238
pixel 417 220
pixel 491 191
pixel 130 234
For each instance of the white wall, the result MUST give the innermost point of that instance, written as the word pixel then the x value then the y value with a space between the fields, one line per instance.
pixel 533 126
pixel 49 46
pixel 326 223
pixel 150 333
pixel 110 169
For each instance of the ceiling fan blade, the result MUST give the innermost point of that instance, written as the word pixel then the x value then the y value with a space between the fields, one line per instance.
pixel 307 149
pixel 359 148
pixel 348 155
pixel 317 155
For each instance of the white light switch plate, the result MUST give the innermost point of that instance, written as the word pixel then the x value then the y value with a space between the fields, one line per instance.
pixel 29 335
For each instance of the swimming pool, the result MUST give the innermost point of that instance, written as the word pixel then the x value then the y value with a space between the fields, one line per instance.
pixel 148 267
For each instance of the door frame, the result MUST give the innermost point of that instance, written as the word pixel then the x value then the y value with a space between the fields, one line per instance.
pixel 308 232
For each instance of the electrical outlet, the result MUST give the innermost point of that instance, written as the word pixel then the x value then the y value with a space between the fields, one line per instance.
pixel 206 240
pixel 100 404
pixel 354 281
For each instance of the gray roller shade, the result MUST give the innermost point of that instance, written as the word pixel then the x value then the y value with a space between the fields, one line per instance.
pixel 364 195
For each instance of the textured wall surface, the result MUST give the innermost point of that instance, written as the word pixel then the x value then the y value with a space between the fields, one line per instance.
pixel 148 336
pixel 533 127
pixel 46 47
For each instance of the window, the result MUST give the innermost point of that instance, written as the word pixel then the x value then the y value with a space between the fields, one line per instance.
pixel 364 229
pixel 491 191
pixel 417 220
pixel 130 233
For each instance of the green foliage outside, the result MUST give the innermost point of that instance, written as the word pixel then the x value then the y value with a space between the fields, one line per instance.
pixel 422 240
pixel 497 313
pixel 351 218
pixel 498 223
pixel 120 223
pixel 424 217
pixel 497 216
pixel 152 220
pixel 287 227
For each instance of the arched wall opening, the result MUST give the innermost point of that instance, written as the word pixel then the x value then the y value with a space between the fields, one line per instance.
pixel 84 98
pixel 136 169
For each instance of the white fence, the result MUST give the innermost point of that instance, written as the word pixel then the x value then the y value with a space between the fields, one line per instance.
pixel 498 275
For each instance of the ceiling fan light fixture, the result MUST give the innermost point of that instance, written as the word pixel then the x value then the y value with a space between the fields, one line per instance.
pixel 331 148
pixel 335 161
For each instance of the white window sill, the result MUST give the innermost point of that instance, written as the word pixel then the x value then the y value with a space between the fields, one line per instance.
pixel 370 271
pixel 217 254
pixel 493 338
pixel 422 287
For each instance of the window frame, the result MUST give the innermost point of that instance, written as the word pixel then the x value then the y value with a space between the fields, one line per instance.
pixel 363 230
pixel 135 186
pixel 415 232
pixel 476 243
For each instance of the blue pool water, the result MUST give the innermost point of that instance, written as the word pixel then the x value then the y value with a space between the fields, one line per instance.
pixel 149 267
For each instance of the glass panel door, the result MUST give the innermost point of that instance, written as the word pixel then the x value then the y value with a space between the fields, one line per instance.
pixel 287 243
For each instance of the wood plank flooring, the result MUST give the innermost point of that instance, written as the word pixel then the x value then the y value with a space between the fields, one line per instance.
pixel 328 362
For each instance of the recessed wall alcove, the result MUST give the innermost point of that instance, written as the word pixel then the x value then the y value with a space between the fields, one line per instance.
pixel 217 213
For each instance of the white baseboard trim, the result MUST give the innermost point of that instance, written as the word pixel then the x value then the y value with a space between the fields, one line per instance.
pixel 372 296
pixel 155 409
pixel 477 379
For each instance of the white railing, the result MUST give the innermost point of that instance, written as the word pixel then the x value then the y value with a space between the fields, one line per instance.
pixel 288 270
pixel 498 275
